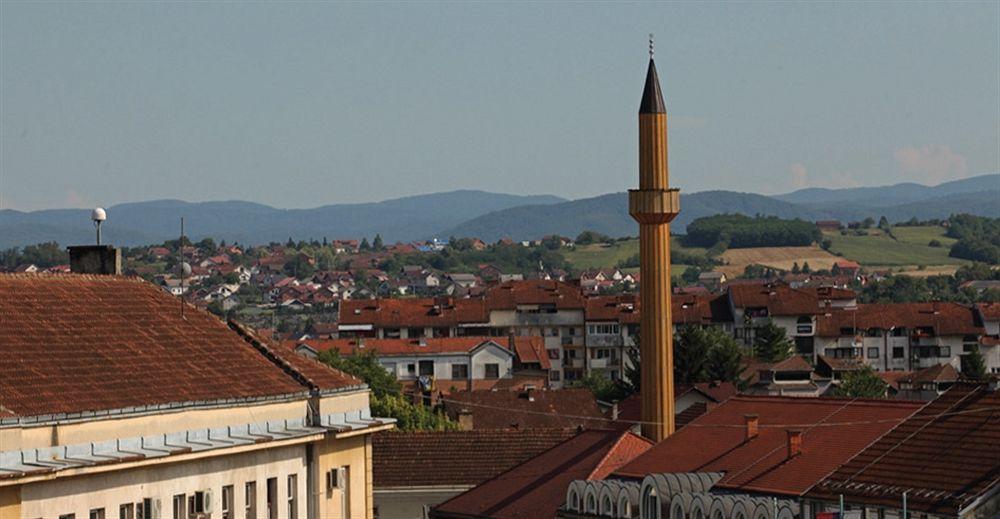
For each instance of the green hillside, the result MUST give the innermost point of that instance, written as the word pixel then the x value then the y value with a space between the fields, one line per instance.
pixel 602 255
pixel 907 246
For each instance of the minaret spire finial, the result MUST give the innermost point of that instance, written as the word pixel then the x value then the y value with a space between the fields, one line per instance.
pixel 650 45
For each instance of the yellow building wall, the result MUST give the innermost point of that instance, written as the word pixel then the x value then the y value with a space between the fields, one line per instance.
pixel 355 501
pixel 10 503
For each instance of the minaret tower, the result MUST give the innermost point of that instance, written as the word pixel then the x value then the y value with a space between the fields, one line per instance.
pixel 654 205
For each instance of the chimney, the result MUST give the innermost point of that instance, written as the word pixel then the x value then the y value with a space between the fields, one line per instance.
pixel 465 419
pixel 614 412
pixel 752 424
pixel 794 442
pixel 529 394
pixel 95 259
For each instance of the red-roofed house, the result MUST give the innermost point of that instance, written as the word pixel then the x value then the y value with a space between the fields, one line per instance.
pixel 448 363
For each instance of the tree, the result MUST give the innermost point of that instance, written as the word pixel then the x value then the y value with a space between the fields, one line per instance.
pixel 805 267
pixel 795 268
pixel 770 343
pixel 633 368
pixel 386 392
pixel 974 366
pixel 377 244
pixel 725 358
pixel 867 223
pixel 290 243
pixel 691 346
pixel 364 245
pixel 588 237
pixel 603 388
pixel 862 383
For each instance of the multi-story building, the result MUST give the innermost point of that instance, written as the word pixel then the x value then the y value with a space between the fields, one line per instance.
pixel 118 400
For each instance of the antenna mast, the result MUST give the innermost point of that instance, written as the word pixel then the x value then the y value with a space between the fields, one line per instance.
pixel 180 246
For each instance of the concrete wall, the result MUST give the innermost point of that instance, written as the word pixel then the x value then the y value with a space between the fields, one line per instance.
pixel 353 500
pixel 10 503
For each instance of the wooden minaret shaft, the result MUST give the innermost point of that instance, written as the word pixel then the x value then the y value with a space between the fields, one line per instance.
pixel 654 205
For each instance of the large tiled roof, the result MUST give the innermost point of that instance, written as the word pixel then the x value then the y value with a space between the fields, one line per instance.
pixel 944 457
pixel 944 318
pixel 715 442
pixel 537 487
pixel 403 459
pixel 508 409
pixel 622 309
pixel 510 294
pixel 933 374
pixel 73 343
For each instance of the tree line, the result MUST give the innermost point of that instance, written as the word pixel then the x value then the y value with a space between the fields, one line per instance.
pixel 740 231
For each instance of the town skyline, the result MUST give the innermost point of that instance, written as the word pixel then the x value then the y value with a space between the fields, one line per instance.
pixel 153 103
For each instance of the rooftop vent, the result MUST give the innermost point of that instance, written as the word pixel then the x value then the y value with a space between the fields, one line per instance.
pixel 794 442
pixel 752 422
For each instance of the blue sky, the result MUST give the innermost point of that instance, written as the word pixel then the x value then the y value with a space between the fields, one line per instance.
pixel 305 104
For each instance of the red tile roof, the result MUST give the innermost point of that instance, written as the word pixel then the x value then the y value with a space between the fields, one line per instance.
pixel 73 343
pixel 510 294
pixel 784 300
pixel 938 373
pixel 989 311
pixel 944 457
pixel 403 459
pixel 428 311
pixel 537 487
pixel 507 409
pixel 715 441
pixel 944 318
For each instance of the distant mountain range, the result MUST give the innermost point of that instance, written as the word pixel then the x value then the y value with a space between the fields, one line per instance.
pixel 489 216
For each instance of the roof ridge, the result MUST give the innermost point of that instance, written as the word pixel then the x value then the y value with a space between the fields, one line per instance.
pixel 271 355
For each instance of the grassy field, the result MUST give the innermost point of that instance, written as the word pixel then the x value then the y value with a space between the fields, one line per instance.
pixel 599 255
pixel 909 248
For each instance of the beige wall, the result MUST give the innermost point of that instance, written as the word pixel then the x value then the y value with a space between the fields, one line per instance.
pixel 409 504
pixel 354 501
pixel 108 490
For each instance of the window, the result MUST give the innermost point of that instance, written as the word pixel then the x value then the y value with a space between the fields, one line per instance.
pixel 604 329
pixel 144 510
pixel 180 506
pixel 198 503
pixel 67 516
pixel 427 368
pixel 250 500
pixel 415 333
pixel 411 369
pixel 227 502
pixel 898 352
pixel 944 352
pixel 492 370
pixel 553 354
pixel 391 333
pixel 459 371
pixel 872 353
pixel 804 325
pixel 97 513
pixel 293 492
pixel 272 498
pixel 554 376
pixel 126 511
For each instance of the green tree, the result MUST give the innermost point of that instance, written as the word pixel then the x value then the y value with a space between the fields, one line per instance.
pixel 386 392
pixel 806 268
pixel 770 344
pixel 974 366
pixel 691 347
pixel 588 237
pixel 365 246
pixel 377 244
pixel 795 268
pixel 633 368
pixel 862 383
pixel 603 388
pixel 725 358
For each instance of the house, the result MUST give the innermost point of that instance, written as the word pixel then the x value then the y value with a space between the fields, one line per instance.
pixel 790 377
pixel 828 225
pixel 928 383
pixel 749 457
pixel 942 461
pixel 447 363
pixel 116 401
pixel 414 471
pixel 846 267
pixel 537 487
pixel 712 280
pixel 462 279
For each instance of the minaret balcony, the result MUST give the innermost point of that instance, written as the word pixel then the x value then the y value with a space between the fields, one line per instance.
pixel 654 205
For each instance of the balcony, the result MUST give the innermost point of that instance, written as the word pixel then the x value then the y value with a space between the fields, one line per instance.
pixel 572 363
pixel 604 341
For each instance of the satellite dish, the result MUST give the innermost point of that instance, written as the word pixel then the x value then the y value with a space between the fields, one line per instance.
pixel 98 214
pixel 184 269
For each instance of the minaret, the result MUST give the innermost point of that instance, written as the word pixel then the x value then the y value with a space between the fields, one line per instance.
pixel 654 205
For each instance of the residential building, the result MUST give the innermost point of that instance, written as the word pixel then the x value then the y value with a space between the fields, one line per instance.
pixel 448 363
pixel 526 409
pixel 116 401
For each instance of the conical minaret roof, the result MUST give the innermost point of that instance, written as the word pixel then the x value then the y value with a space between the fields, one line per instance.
pixel 652 98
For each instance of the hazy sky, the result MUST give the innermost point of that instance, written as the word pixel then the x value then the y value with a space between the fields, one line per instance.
pixel 305 104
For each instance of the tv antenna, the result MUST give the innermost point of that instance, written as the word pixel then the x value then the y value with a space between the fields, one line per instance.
pixel 650 45
pixel 98 215
pixel 183 267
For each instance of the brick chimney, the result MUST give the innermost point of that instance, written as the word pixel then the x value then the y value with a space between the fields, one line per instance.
pixel 794 443
pixel 752 422
pixel 95 259
pixel 465 419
